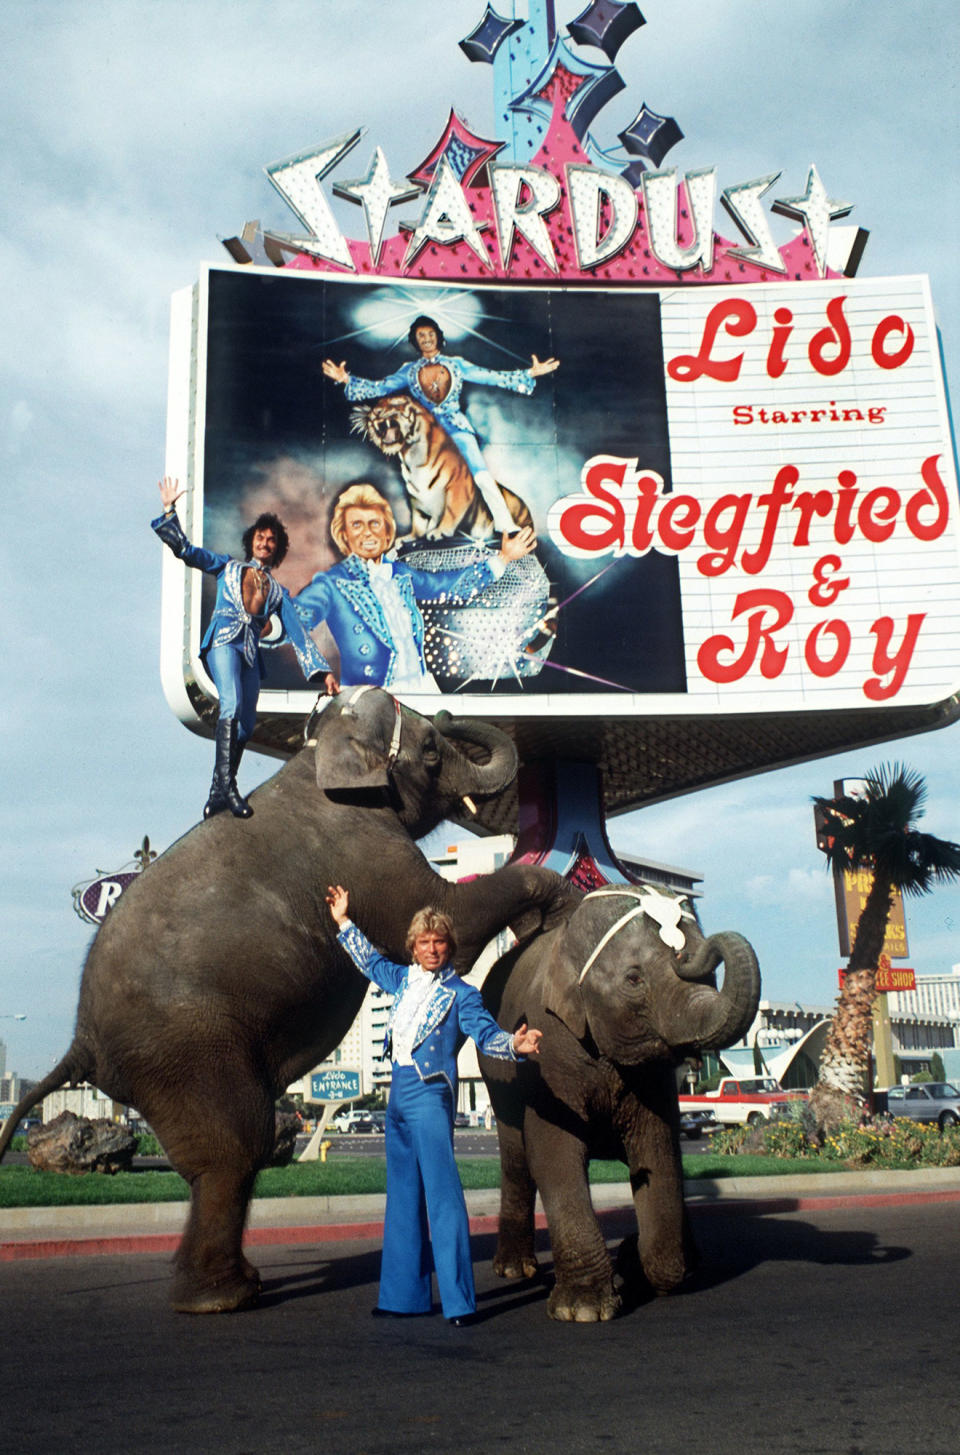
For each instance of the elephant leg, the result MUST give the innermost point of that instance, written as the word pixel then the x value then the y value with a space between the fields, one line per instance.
pixel 218 1150
pixel 664 1248
pixel 515 1256
pixel 584 1291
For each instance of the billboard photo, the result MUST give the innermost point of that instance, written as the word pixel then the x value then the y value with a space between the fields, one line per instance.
pixel 743 499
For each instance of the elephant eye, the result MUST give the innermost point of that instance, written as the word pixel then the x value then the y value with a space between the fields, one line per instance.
pixel 431 756
pixel 633 977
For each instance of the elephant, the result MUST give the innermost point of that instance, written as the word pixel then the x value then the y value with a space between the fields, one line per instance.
pixel 623 989
pixel 216 980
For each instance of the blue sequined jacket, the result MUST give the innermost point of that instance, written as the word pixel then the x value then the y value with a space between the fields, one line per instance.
pixel 231 623
pixel 345 600
pixel 461 371
pixel 452 1011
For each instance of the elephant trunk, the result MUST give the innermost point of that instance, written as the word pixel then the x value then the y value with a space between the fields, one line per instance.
pixel 466 777
pixel 719 1017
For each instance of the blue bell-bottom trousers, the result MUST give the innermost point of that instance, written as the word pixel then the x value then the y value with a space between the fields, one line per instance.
pixel 424 1199
pixel 238 687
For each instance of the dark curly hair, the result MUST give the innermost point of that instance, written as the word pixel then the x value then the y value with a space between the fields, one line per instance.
pixel 424 322
pixel 267 521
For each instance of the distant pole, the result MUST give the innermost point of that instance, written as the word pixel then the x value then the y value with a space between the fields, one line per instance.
pixel 882 1042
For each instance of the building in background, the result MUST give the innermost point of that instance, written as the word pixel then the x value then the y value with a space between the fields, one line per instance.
pixel 84 1101
pixel 786 1041
pixel 935 995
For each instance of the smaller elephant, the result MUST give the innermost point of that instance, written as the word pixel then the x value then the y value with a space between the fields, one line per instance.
pixel 623 991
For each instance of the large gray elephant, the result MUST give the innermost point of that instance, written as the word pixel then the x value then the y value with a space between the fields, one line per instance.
pixel 216 979
pixel 622 991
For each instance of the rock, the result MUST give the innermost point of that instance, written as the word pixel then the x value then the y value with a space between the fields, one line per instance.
pixel 75 1144
pixel 288 1130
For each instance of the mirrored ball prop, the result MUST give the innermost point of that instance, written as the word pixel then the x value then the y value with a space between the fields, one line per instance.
pixel 499 635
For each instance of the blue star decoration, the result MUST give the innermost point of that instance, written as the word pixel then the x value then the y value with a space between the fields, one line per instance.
pixel 607 25
pixel 650 135
pixel 483 43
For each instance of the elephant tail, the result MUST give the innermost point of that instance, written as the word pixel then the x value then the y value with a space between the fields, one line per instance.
pixel 77 1065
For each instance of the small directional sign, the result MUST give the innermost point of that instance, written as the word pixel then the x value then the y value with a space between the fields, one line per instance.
pixel 338 1084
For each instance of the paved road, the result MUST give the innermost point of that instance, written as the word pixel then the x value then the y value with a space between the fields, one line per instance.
pixel 827 1333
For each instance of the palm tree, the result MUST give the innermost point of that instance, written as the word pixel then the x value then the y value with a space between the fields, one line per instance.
pixel 878 832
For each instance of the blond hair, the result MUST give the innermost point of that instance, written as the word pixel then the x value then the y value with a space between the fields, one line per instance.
pixel 431 922
pixel 363 497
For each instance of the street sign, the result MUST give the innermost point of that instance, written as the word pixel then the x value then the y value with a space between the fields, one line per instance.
pixel 334 1085
pixel 890 978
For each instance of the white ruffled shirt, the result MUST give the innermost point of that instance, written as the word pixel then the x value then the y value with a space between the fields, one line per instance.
pixel 407 674
pixel 407 1012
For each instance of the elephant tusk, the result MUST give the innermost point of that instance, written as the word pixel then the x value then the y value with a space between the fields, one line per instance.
pixel 470 804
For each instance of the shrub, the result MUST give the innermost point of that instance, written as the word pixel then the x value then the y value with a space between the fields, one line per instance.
pixel 884 1142
pixel 149 1146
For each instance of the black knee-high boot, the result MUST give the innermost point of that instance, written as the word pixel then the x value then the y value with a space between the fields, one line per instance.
pixel 223 788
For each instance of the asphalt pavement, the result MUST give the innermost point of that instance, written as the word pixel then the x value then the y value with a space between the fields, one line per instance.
pixel 826 1330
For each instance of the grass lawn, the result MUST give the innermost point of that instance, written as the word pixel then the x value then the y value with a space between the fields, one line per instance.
pixel 340 1176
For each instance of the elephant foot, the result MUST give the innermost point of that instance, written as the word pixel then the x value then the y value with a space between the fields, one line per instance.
pixel 515 1265
pixel 235 1291
pixel 575 1304
pixel 661 1273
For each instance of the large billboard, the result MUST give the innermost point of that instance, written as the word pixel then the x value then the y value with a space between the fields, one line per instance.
pixel 744 499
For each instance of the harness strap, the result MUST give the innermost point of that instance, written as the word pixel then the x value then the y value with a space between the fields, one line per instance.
pixel 664 910
pixel 393 752
pixel 614 929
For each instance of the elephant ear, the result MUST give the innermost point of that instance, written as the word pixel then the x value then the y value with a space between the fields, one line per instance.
pixel 562 994
pixel 352 753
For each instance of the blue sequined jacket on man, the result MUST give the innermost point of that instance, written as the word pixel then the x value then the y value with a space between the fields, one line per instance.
pixel 231 624
pixel 452 1011
pixel 344 598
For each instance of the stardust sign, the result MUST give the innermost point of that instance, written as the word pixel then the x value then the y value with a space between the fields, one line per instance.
pixel 736 457
pixel 744 499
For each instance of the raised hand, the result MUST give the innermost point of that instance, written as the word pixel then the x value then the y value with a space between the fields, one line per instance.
pixel 170 491
pixel 521 543
pixel 339 373
pixel 543 366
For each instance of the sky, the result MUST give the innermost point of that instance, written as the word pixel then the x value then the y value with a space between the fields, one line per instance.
pixel 137 133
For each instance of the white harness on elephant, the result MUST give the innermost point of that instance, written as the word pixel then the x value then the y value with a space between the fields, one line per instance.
pixel 664 909
pixel 348 711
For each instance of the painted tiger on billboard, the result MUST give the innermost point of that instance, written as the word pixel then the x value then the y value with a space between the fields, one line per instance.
pixel 444 500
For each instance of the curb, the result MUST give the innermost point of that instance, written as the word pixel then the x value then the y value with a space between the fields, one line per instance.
pixel 329 1220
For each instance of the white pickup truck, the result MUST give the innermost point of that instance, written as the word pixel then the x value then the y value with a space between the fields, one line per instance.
pixel 740 1099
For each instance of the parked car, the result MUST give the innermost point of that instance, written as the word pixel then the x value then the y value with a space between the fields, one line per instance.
pixel 461 1119
pixel 928 1101
pixel 694 1124
pixel 356 1121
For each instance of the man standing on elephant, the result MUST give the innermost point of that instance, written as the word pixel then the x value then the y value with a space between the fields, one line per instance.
pixel 247 595
pixel 433 1011
pixel 369 601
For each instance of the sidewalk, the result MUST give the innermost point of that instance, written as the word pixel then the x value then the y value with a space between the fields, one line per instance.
pixel 56 1232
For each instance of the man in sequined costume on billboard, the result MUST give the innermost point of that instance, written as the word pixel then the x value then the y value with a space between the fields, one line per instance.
pixel 369 600
pixel 435 380
pixel 247 596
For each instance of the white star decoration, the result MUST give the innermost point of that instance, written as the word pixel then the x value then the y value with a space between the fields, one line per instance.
pixel 376 193
pixel 816 211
